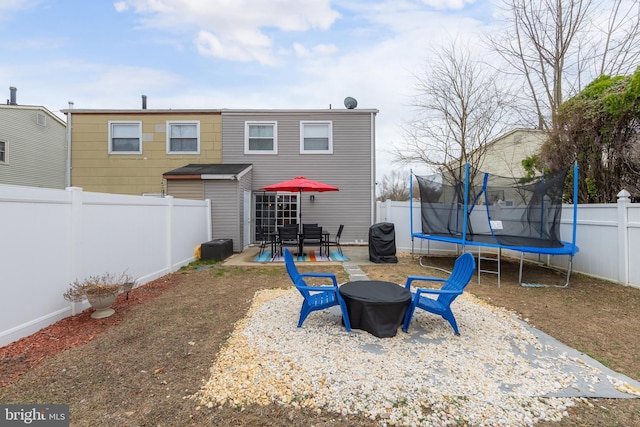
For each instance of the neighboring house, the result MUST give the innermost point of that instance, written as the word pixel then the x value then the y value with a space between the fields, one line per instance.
pixel 505 154
pixel 227 156
pixel 33 146
pixel 128 151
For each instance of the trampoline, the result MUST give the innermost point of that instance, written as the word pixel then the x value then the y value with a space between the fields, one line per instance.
pixel 475 208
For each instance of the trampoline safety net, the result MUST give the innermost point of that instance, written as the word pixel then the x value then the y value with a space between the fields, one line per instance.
pixel 500 210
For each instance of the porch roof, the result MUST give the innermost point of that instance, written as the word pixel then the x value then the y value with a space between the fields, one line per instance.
pixel 209 171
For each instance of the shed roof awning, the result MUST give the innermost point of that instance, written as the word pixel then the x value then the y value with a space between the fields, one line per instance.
pixel 232 171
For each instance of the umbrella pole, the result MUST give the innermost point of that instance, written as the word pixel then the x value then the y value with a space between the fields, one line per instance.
pixel 300 210
pixel 300 236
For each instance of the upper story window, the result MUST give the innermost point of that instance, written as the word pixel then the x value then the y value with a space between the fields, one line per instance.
pixel 3 152
pixel 125 137
pixel 261 138
pixel 183 137
pixel 316 137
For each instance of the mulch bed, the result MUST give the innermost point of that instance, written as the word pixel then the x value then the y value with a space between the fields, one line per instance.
pixel 25 354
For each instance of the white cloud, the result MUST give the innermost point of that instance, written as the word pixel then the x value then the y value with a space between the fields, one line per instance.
pixel 447 4
pixel 318 50
pixel 34 43
pixel 300 50
pixel 234 30
pixel 9 6
pixel 325 49
pixel 121 6
pixel 244 48
pixel 18 4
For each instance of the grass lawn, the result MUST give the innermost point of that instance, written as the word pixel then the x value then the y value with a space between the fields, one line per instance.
pixel 142 365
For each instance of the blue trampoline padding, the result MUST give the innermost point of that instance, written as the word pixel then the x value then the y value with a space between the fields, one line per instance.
pixel 536 246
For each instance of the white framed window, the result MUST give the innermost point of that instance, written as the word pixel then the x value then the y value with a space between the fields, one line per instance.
pixel 183 137
pixel 316 137
pixel 3 151
pixel 261 138
pixel 125 137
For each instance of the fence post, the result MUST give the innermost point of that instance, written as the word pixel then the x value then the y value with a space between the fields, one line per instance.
pixel 623 237
pixel 388 211
pixel 169 230
pixel 75 241
pixel 209 226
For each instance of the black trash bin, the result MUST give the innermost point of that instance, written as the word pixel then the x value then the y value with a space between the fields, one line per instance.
pixel 382 243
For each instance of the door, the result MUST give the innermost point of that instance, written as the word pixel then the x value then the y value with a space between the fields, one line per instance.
pixel 246 229
pixel 274 210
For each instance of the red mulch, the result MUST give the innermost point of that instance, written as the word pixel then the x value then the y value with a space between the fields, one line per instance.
pixel 20 356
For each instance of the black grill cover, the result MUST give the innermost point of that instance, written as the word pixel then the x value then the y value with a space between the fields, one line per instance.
pixel 382 243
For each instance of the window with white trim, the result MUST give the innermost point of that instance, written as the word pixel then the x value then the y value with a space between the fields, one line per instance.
pixel 3 152
pixel 183 137
pixel 261 138
pixel 125 137
pixel 316 137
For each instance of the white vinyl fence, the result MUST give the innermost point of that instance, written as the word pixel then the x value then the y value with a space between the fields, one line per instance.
pixel 49 238
pixel 608 236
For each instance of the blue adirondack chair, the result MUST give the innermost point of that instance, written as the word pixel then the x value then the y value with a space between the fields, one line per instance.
pixel 462 272
pixel 315 297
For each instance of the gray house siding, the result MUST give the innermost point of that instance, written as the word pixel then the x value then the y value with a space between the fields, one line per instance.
pixel 36 144
pixel 349 167
pixel 227 208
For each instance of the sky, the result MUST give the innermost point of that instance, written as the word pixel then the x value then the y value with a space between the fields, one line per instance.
pixel 214 54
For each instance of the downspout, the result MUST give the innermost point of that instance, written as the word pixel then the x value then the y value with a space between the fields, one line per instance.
pixel 373 168
pixel 68 171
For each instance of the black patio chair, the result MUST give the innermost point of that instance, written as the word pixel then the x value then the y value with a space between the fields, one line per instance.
pixel 265 239
pixel 287 236
pixel 312 236
pixel 336 241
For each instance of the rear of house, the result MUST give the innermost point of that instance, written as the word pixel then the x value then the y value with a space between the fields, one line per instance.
pixel 334 146
pixel 228 156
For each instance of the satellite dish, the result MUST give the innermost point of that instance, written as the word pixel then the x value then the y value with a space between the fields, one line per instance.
pixel 350 103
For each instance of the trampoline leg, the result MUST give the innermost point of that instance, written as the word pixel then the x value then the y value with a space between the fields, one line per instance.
pixel 479 264
pixel 569 269
pixel 412 253
pixel 520 275
pixel 499 265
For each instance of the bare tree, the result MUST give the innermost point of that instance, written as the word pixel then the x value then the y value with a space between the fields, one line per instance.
pixel 556 45
pixel 460 105
pixel 394 186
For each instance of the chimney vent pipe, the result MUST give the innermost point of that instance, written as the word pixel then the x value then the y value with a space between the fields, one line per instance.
pixel 144 102
pixel 12 96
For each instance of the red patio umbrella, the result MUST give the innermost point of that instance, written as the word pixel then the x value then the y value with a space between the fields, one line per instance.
pixel 301 184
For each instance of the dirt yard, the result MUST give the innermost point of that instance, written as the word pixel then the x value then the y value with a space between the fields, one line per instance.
pixel 141 366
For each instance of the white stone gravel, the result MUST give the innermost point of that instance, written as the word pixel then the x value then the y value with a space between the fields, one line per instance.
pixel 488 376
